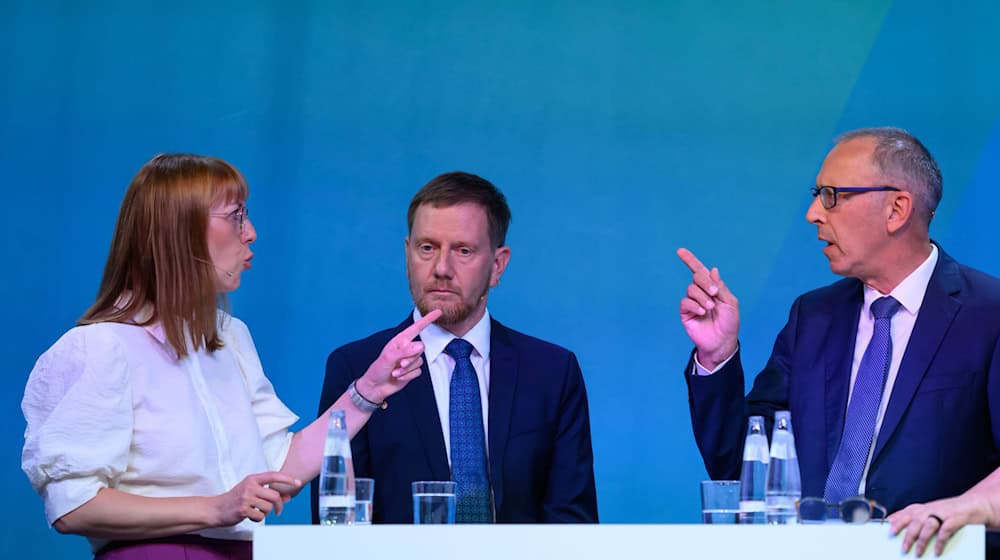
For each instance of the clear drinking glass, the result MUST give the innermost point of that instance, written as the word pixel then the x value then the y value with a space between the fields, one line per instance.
pixel 433 502
pixel 364 491
pixel 720 501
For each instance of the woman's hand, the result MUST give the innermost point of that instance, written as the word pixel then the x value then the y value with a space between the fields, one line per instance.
pixel 398 364
pixel 254 497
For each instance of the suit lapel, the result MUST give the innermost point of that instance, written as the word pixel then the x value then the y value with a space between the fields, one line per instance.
pixel 503 380
pixel 937 311
pixel 419 395
pixel 839 356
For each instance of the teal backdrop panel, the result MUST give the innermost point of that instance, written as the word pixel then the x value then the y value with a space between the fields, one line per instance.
pixel 619 131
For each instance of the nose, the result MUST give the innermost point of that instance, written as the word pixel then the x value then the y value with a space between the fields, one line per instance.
pixel 442 265
pixel 816 214
pixel 249 232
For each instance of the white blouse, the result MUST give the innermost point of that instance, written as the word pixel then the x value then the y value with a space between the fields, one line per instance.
pixel 109 405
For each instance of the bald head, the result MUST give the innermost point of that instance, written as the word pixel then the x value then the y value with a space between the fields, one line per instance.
pixel 903 162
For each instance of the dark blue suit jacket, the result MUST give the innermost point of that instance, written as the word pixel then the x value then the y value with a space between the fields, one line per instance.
pixel 540 456
pixel 941 431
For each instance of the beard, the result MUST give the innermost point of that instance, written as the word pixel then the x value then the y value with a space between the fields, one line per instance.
pixel 452 312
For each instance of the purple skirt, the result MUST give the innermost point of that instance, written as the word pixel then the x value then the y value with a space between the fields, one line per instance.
pixel 180 547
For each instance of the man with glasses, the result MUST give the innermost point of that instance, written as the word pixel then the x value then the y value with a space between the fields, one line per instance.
pixel 892 374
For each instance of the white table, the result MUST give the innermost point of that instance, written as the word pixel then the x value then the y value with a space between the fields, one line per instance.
pixel 604 542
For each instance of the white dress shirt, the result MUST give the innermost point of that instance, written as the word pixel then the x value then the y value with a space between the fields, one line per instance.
pixel 910 294
pixel 442 365
pixel 110 406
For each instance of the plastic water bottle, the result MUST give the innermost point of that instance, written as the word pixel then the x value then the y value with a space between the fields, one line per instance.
pixel 784 485
pixel 336 479
pixel 753 477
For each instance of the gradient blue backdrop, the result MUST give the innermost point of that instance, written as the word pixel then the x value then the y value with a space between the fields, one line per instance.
pixel 618 130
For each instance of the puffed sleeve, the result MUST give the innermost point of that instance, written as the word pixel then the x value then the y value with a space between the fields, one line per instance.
pixel 78 408
pixel 273 417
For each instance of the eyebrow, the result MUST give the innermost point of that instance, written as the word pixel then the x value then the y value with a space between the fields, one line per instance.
pixel 422 240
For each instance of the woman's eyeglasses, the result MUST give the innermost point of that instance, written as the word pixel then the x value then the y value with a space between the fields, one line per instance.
pixel 237 217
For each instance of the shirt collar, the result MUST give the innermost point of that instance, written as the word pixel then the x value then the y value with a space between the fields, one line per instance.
pixel 910 292
pixel 435 338
pixel 156 331
pixel 143 315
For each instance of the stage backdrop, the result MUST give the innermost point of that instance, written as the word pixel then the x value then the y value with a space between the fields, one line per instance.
pixel 620 131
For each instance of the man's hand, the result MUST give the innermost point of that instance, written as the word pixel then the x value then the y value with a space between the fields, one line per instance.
pixel 943 518
pixel 398 364
pixel 709 312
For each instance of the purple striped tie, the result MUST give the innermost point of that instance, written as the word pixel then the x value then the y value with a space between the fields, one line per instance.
pixel 856 442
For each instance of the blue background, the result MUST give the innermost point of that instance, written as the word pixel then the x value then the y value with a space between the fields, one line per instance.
pixel 618 130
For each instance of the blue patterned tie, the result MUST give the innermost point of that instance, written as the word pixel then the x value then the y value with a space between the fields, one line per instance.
pixel 856 441
pixel 468 443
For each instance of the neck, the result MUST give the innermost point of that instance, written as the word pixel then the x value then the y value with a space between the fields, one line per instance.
pixel 899 262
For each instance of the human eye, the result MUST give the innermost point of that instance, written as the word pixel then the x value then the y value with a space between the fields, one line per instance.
pixel 465 251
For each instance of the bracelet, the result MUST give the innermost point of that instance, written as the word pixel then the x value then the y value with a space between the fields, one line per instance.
pixel 362 402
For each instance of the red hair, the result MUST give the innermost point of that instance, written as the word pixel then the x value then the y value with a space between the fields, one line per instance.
pixel 159 257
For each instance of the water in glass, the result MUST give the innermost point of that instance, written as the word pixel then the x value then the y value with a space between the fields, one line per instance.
pixel 433 508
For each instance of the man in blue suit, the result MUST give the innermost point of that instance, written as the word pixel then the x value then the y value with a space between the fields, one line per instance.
pixel 502 414
pixel 892 374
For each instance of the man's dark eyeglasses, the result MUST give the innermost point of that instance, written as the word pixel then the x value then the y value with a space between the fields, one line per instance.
pixel 852 510
pixel 828 195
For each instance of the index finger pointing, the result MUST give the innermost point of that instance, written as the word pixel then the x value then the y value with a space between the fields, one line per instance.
pixel 692 262
pixel 413 330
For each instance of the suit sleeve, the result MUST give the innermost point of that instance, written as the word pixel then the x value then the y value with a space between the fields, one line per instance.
pixel 339 375
pixel 719 411
pixel 993 394
pixel 571 495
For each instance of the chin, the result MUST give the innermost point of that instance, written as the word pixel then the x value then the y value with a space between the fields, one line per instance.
pixel 842 269
pixel 228 285
pixel 836 261
pixel 451 313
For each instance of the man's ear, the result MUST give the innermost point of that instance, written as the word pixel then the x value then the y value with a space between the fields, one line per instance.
pixel 900 211
pixel 501 256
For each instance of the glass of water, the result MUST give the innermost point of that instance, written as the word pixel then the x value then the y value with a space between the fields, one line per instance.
pixel 720 501
pixel 433 502
pixel 364 491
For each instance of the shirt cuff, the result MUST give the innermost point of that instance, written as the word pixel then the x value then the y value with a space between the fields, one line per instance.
pixel 700 370
pixel 276 449
pixel 64 496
